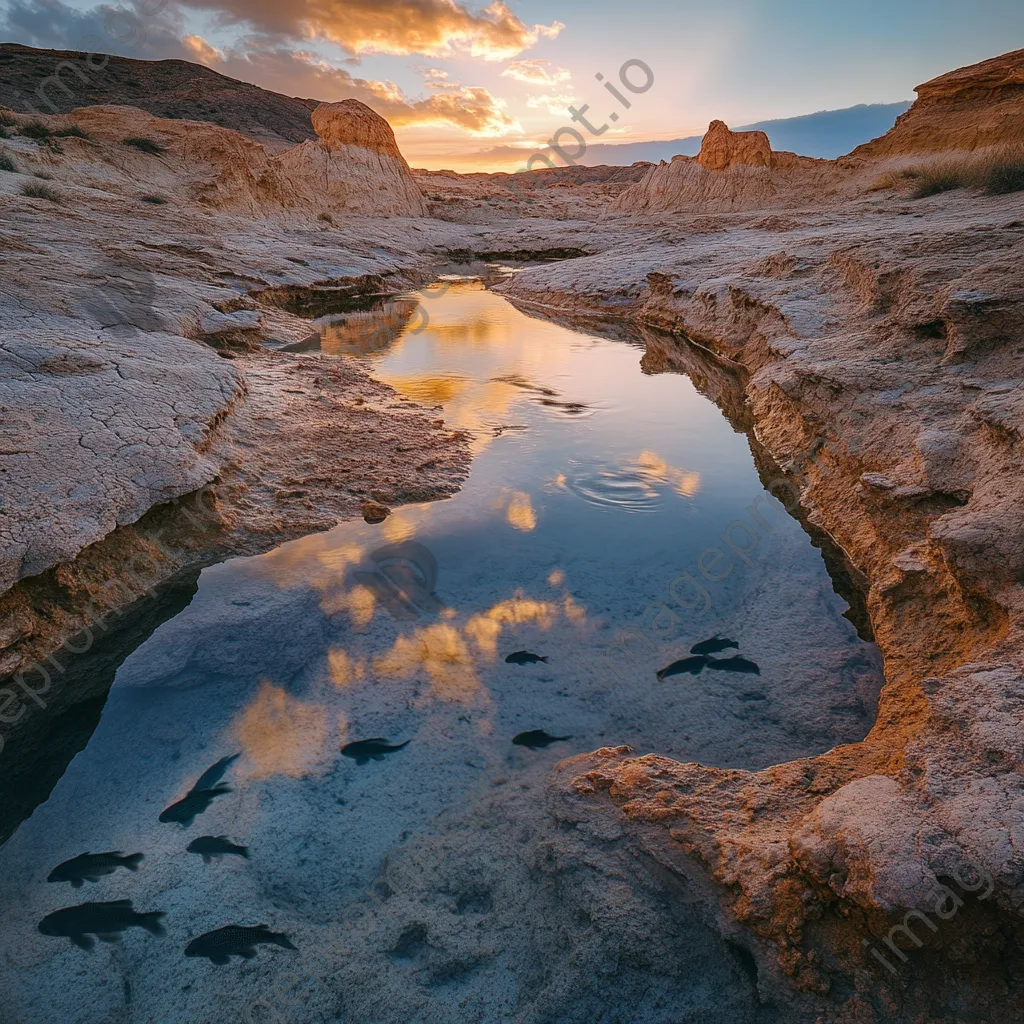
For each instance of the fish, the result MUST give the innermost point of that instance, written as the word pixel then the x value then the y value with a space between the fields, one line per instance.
pixel 693 666
pixel 364 751
pixel 104 920
pixel 215 773
pixel 236 940
pixel 714 645
pixel 733 664
pixel 525 658
pixel 186 811
pixel 537 739
pixel 216 846
pixel 91 867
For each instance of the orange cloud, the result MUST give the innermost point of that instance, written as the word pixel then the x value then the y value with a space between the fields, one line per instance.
pixel 300 73
pixel 283 736
pixel 654 468
pixel 434 28
pixel 443 653
pixel 486 628
pixel 520 513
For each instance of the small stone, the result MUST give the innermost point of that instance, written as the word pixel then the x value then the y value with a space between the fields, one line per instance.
pixel 374 512
pixel 878 481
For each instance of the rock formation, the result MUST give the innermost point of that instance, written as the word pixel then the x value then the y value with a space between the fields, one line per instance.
pixel 351 123
pixel 972 108
pixel 722 149
pixel 355 167
pixel 734 171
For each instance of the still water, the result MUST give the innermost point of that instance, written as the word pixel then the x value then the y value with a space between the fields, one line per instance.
pixel 411 885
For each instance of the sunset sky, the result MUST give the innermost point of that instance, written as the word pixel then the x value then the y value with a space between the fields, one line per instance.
pixel 481 87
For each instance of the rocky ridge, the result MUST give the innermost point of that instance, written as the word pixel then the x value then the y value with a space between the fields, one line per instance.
pixel 969 109
pixel 174 89
pixel 734 171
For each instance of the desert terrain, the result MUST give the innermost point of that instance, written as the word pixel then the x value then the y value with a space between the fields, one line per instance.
pixel 863 315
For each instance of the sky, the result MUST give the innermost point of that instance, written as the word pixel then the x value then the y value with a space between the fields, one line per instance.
pixel 475 87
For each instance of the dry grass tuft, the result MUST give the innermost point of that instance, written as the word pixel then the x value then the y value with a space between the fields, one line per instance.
pixel 996 173
pixel 34 130
pixel 150 146
pixel 40 192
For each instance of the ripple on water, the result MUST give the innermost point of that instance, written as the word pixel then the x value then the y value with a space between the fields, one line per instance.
pixel 568 410
pixel 616 489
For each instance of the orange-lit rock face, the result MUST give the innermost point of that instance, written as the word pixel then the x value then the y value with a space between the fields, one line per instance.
pixel 723 149
pixel 971 108
pixel 351 123
pixel 997 78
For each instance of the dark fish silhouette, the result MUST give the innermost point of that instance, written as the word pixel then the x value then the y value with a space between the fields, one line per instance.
pixel 104 920
pixel 202 794
pixel 216 846
pixel 364 751
pixel 524 658
pixel 187 810
pixel 90 867
pixel 235 940
pixel 734 664
pixel 537 739
pixel 714 645
pixel 692 666
pixel 215 772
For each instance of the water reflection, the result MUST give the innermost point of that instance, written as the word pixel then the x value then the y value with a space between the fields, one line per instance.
pixel 464 349
pixel 281 735
pixel 363 333
pixel 576 521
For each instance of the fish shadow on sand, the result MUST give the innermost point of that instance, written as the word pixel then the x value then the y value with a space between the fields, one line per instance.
pixel 198 799
pixel 91 867
pixel 104 920
pixel 209 847
pixel 701 659
pixel 221 945
pixel 537 739
pixel 365 751
pixel 525 658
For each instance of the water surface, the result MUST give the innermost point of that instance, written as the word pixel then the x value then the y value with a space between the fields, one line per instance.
pixel 597 495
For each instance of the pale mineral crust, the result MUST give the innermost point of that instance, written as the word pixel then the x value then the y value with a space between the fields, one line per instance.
pixel 140 379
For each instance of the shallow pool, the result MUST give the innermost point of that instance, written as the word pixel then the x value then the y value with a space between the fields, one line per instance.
pixel 612 519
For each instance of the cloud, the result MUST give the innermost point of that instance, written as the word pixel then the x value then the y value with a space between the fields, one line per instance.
pixel 553 104
pixel 536 72
pixel 102 29
pixel 299 73
pixel 434 28
pixel 266 61
pixel 202 52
